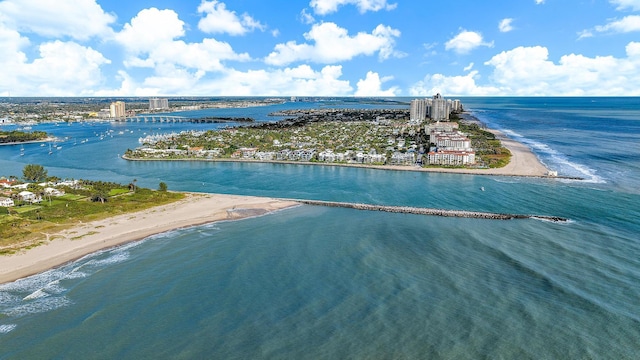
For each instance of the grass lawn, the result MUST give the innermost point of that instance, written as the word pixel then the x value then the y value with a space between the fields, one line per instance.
pixel 114 192
pixel 71 197
pixel 26 208
pixel 26 227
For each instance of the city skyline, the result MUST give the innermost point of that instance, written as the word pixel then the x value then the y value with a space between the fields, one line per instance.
pixel 319 48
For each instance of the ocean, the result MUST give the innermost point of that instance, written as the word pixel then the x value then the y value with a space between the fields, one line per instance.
pixel 324 283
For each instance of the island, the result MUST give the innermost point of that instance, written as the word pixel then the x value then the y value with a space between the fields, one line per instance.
pixel 15 137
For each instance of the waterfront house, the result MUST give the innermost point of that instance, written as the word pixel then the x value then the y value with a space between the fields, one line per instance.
pixel 6 202
pixel 399 158
pixel 28 196
pixel 53 192
pixel 6 183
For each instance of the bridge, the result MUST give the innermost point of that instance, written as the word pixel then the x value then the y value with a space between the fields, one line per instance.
pixel 155 118
pixel 174 119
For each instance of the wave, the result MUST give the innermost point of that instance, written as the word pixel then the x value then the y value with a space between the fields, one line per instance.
pixel 40 293
pixel 7 328
pixel 39 306
pixel 566 167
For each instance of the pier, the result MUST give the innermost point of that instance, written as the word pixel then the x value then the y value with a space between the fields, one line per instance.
pixel 431 211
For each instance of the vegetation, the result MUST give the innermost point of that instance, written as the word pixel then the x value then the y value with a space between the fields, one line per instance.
pixel 25 224
pixel 489 150
pixel 34 172
pixel 162 186
pixel 21 136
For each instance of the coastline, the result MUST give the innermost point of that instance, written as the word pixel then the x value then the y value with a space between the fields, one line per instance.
pixel 523 163
pixel 87 238
pixel 47 139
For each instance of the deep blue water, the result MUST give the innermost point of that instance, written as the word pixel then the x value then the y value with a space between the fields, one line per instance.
pixel 313 282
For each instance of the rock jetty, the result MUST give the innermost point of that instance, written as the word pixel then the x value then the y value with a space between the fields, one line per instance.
pixel 431 211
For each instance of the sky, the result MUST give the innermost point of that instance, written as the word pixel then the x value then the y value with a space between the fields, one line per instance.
pixel 362 48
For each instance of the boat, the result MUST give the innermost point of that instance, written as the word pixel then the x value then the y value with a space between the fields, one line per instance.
pixel 481 188
pixel 50 152
pixel 22 150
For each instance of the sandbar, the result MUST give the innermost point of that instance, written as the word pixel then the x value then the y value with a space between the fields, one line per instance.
pixel 87 238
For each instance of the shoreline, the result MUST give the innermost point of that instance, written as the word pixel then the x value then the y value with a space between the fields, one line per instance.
pixel 86 238
pixel 47 139
pixel 523 163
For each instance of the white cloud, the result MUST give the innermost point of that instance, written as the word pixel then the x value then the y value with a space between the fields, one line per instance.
pixel 452 86
pixel 77 19
pixel 219 20
pixel 505 25
pixel 539 2
pixel 332 44
pixel 466 41
pixel 627 24
pixel 150 39
pixel 306 18
pixel 149 29
pixel 527 71
pixel 372 86
pixel 301 80
pixel 468 67
pixel 63 69
pixel 626 4
pixel 323 7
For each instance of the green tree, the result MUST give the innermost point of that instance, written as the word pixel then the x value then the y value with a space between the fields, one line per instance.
pixel 162 186
pixel 34 172
pixel 100 192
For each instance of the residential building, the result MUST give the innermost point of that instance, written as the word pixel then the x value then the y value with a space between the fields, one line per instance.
pixel 158 104
pixel 451 157
pixel 6 202
pixel 29 196
pixel 117 110
pixel 419 110
pixel 439 109
pixel 399 158
pixel 53 191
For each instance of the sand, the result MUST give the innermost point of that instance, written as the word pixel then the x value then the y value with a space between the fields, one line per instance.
pixel 90 237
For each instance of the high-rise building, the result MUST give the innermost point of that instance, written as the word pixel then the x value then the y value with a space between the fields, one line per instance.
pixel 439 109
pixel 116 110
pixel 158 104
pixel 419 110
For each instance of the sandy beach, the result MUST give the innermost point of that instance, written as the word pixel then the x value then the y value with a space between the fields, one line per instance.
pixel 90 237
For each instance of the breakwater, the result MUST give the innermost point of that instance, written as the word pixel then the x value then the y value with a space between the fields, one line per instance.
pixel 432 212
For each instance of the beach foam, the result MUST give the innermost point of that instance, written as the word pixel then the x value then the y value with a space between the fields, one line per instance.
pixel 557 159
pixel 7 328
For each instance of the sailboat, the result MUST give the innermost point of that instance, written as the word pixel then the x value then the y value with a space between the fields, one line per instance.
pixel 22 150
pixel 50 152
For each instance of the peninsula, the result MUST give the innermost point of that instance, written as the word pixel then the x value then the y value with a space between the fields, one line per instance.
pixel 380 139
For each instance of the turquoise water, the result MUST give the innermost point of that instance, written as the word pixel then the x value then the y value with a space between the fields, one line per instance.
pixel 313 282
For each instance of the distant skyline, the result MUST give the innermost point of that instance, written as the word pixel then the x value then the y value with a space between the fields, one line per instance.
pixel 319 48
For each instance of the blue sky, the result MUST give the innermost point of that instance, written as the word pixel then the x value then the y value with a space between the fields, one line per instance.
pixel 319 48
